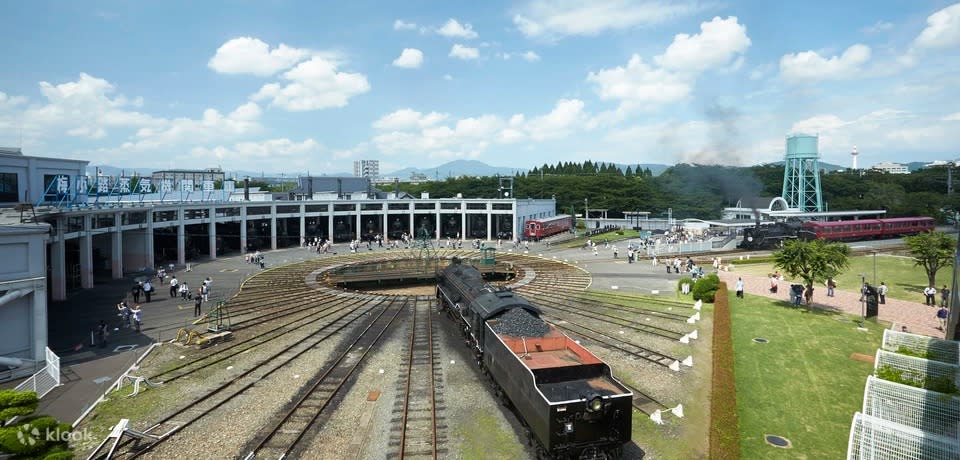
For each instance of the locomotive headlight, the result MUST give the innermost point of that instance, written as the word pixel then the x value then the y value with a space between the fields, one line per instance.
pixel 750 238
pixel 595 404
pixel 568 427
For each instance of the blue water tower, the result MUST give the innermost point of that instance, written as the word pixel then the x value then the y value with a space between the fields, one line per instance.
pixel 801 173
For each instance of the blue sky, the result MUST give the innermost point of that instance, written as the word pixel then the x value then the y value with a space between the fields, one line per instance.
pixel 285 86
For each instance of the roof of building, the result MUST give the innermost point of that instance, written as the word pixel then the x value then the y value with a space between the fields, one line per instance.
pixel 11 151
pixel 332 184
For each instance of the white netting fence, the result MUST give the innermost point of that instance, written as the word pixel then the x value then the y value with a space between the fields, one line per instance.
pixel 947 351
pixel 915 369
pixel 875 438
pixel 925 410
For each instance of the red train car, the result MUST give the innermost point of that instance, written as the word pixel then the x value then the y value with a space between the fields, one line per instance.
pixel 852 230
pixel 541 228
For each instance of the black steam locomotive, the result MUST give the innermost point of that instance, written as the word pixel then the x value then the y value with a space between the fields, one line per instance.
pixel 566 396
pixel 773 235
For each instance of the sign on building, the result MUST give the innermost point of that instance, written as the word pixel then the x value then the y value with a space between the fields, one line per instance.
pixel 145 185
pixel 208 186
pixel 166 185
pixel 63 185
pixel 124 185
pixel 81 185
pixel 229 186
pixel 103 185
pixel 186 185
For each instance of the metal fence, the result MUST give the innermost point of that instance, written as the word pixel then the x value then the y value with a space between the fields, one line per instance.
pixel 662 249
pixel 46 379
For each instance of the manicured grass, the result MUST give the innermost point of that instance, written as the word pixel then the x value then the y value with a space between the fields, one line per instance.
pixel 802 385
pixel 905 280
pixel 487 439
pixel 609 236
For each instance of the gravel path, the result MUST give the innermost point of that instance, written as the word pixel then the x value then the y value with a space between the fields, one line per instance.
pixel 919 318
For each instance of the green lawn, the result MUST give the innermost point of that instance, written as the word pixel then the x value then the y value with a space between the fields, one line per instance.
pixel 802 385
pixel 608 236
pixel 906 280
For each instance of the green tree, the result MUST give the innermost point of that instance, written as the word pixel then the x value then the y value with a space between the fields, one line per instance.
pixel 932 251
pixel 34 437
pixel 812 261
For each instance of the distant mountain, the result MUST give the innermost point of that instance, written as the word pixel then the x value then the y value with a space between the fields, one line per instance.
pixel 455 168
pixel 108 170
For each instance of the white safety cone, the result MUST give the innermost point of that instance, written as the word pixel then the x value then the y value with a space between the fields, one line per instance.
pixel 685 339
pixel 687 362
pixel 693 334
pixel 675 366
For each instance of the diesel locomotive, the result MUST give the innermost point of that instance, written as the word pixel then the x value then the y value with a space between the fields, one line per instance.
pixel 565 395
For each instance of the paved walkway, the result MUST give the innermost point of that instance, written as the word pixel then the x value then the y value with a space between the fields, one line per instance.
pixel 919 318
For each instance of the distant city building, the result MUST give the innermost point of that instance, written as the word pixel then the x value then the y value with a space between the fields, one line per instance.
pixel 891 167
pixel 196 175
pixel 418 177
pixel 366 168
pixel 936 163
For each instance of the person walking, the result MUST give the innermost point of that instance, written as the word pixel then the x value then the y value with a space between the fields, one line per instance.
pixel 173 286
pixel 882 292
pixel 136 290
pixel 944 296
pixel 147 290
pixel 740 287
pixel 102 334
pixel 831 285
pixel 197 303
pixel 942 314
pixel 136 316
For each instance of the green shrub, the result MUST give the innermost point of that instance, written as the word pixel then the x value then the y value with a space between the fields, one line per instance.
pixel 705 288
pixel 940 384
pixel 906 351
pixel 620 232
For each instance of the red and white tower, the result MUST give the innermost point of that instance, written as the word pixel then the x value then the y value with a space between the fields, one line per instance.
pixel 853 154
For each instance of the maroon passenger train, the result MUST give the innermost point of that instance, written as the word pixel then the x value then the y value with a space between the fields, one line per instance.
pixel 772 236
pixel 853 230
pixel 536 229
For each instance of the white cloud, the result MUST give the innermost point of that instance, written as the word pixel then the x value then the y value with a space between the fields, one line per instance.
pixel 410 58
pixel 943 29
pixel 405 119
pixel 876 131
pixel 400 25
pixel 313 85
pixel 463 52
pixel 952 117
pixel 809 66
pixel 877 27
pixel 253 155
pixel 9 102
pixel 248 55
pixel 213 126
pixel 448 77
pixel 409 131
pixel 717 43
pixel 566 115
pixel 528 56
pixel 639 85
pixel 551 19
pixel 86 107
pixel 453 29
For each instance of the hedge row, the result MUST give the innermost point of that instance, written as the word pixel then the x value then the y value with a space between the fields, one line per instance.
pixel 752 260
pixel 724 426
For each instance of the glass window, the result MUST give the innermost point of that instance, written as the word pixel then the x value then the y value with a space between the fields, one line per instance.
pixel 425 206
pixel 476 206
pixel 398 206
pixel 371 206
pixel 345 207
pixel 288 209
pixel 449 205
pixel 316 208
pixel 9 188
pixel 503 206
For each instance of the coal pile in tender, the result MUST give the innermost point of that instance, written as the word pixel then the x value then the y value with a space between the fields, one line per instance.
pixel 521 323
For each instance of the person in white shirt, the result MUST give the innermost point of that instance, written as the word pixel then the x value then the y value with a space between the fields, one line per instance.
pixel 173 287
pixel 882 292
pixel 740 287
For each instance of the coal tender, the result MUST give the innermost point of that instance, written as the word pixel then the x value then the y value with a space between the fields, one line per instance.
pixel 566 396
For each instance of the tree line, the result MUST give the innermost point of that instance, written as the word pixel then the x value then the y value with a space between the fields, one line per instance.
pixel 702 191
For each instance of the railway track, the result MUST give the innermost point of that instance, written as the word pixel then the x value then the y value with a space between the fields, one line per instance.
pixel 421 381
pixel 166 428
pixel 617 343
pixel 334 312
pixel 285 434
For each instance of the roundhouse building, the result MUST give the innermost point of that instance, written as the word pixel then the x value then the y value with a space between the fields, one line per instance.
pixel 96 236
